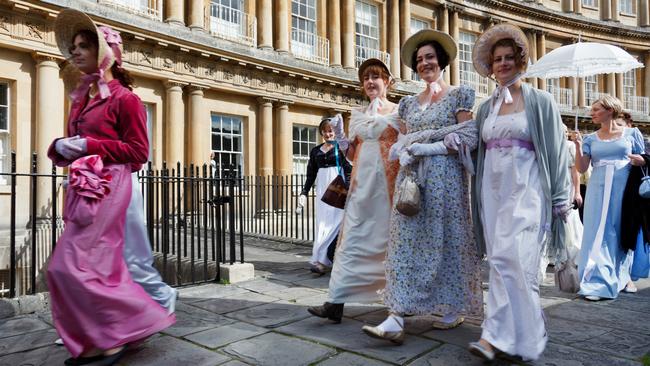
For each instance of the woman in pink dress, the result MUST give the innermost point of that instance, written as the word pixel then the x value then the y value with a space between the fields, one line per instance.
pixel 97 309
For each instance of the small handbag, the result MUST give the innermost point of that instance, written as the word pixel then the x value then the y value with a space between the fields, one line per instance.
pixel 644 188
pixel 337 192
pixel 566 276
pixel 408 196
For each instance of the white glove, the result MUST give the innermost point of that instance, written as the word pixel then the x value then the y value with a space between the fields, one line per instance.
pixel 70 147
pixel 396 148
pixel 405 158
pixel 452 141
pixel 418 149
pixel 302 201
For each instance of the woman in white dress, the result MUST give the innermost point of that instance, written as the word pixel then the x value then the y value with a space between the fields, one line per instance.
pixel 326 161
pixel 358 272
pixel 521 184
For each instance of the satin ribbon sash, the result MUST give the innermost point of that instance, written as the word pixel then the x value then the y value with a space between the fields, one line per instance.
pixel 504 142
pixel 594 254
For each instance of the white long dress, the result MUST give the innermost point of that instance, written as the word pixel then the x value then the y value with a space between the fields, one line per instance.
pixel 328 218
pixel 513 212
pixel 359 273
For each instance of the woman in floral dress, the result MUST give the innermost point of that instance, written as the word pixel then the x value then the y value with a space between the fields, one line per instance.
pixel 432 264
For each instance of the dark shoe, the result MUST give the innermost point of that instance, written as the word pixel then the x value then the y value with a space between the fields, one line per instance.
pixel 333 312
pixel 112 359
pixel 82 360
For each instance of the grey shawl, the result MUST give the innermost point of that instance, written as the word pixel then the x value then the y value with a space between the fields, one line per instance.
pixel 545 125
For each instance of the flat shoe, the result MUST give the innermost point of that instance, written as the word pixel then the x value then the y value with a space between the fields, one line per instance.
pixel 59 342
pixel 444 326
pixel 478 350
pixel 592 298
pixel 82 360
pixel 376 332
pixel 112 359
pixel 630 290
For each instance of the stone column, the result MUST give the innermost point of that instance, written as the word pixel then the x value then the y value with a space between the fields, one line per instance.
pixel 196 15
pixel 532 46
pixel 199 124
pixel 541 51
pixel 282 30
pixel 614 9
pixel 334 32
pixel 49 122
pixel 577 6
pixel 175 12
pixel 567 6
pixel 644 13
pixel 618 80
pixel 264 24
pixel 394 37
pixel 646 72
pixel 348 34
pixel 443 26
pixel 582 97
pixel 175 123
pixel 454 68
pixel 610 82
pixel 605 10
pixel 265 130
pixel 404 33
pixel 283 139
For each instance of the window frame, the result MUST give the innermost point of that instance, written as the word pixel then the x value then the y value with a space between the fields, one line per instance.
pixel 219 152
pixel 630 3
pixel 465 48
pixel 5 135
pixel 592 4
pixel 414 29
pixel 360 23
pixel 300 158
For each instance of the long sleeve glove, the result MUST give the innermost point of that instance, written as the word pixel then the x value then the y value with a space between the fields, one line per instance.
pixel 437 148
pixel 405 158
pixel 397 148
pixel 339 134
pixel 70 147
pixel 452 141
pixel 302 201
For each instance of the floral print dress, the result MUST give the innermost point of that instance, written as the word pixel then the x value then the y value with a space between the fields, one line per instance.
pixel 432 264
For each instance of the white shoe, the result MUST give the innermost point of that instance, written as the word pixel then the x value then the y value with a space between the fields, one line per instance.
pixel 172 303
pixel 592 298
pixel 59 342
pixel 477 349
pixel 630 290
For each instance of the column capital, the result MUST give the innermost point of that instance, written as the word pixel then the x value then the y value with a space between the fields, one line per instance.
pixel 196 88
pixel 282 103
pixel 489 22
pixel 540 32
pixel 41 57
pixel 169 84
pixel 266 100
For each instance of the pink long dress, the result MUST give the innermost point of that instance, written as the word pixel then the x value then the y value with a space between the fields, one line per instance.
pixel 95 303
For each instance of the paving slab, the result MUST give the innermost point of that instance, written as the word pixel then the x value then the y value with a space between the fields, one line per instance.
pixel 412 324
pixel 190 319
pixel 273 349
pixel 350 359
pixel 459 336
pixel 271 315
pixel 315 300
pixel 293 276
pixel 581 311
pixel 234 363
pixel 321 283
pixel 562 331
pixel 556 355
pixel 208 291
pixel 44 356
pixel 449 354
pixel 348 336
pixel 297 293
pixel 264 286
pixel 618 343
pixel 226 334
pixel 629 302
pixel 244 300
pixel 27 341
pixel 21 325
pixel 169 351
pixel 354 310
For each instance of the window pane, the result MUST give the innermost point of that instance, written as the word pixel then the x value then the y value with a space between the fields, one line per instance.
pixel 296 148
pixel 236 143
pixel 4 97
pixel 216 142
pixel 304 134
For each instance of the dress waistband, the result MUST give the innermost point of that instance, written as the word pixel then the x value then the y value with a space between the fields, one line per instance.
pixel 619 163
pixel 505 142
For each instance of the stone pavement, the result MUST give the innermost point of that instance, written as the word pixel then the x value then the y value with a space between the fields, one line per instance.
pixel 265 322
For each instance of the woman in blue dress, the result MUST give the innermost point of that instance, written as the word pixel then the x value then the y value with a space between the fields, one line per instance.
pixel 603 264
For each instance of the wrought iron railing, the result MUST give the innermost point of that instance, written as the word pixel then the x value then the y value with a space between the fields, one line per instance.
pixel 148 8
pixel 591 97
pixel 364 53
pixel 638 105
pixel 563 97
pixel 232 24
pixel 309 46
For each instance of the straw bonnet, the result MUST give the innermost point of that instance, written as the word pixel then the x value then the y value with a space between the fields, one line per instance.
pixel 410 46
pixel 481 54
pixel 374 62
pixel 70 22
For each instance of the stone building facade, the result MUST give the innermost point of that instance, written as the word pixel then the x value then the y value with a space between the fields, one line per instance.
pixel 250 79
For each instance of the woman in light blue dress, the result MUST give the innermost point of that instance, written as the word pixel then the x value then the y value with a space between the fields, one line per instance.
pixel 603 265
